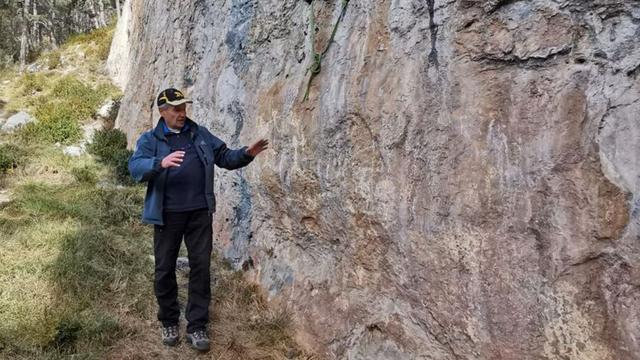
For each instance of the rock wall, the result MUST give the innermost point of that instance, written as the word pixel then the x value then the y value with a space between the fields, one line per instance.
pixel 462 183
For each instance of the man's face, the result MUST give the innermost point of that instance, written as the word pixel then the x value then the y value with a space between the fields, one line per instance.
pixel 174 116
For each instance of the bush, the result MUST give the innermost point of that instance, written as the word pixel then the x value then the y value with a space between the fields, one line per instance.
pixel 104 34
pixel 97 42
pixel 110 146
pixel 81 99
pixel 121 167
pixel 59 115
pixel 103 51
pixel 54 59
pixel 56 123
pixel 32 83
pixel 106 143
pixel 11 156
pixel 85 175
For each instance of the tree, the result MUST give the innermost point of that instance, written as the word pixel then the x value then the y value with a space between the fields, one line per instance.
pixel 24 22
pixel 31 26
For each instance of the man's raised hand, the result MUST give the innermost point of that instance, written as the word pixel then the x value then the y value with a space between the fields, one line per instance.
pixel 173 159
pixel 258 147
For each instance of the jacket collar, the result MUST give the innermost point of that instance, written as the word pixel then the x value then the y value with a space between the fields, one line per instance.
pixel 159 129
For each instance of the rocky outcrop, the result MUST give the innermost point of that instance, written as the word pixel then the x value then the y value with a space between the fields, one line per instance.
pixel 462 183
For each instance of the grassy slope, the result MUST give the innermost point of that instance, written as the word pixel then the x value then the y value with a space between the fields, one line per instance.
pixel 75 262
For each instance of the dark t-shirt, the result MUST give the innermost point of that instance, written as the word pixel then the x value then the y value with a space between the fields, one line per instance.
pixel 185 183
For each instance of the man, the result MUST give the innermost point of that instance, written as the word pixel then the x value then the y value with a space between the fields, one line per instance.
pixel 176 160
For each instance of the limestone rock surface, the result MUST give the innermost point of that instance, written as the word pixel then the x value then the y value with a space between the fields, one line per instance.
pixel 462 183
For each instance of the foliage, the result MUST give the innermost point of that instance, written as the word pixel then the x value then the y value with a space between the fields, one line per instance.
pixel 32 83
pixel 62 108
pixel 56 124
pixel 54 59
pixel 53 23
pixel 81 98
pixel 85 175
pixel 110 146
pixel 98 36
pixel 98 42
pixel 11 156
pixel 106 142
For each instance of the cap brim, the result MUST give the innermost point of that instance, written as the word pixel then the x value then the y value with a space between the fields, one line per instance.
pixel 179 102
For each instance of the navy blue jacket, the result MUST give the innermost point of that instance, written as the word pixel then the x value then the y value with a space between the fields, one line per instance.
pixel 152 147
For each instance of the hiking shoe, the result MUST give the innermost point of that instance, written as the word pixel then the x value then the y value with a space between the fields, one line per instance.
pixel 198 340
pixel 170 335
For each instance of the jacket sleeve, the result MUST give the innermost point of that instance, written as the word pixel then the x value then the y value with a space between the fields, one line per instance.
pixel 228 158
pixel 143 165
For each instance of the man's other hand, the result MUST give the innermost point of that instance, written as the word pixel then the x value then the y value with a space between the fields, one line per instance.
pixel 258 147
pixel 173 159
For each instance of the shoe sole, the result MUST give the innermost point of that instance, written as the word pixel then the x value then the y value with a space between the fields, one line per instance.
pixel 196 347
pixel 171 343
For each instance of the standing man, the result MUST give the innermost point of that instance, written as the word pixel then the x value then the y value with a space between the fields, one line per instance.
pixel 176 160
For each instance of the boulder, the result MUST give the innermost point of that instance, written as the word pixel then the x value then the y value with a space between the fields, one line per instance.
pixel 73 151
pixel 106 109
pixel 17 120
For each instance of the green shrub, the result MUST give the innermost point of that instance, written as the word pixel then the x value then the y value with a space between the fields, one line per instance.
pixel 54 59
pixel 85 175
pixel 110 146
pixel 97 36
pixel 81 99
pixel 106 143
pixel 109 91
pixel 97 43
pixel 100 51
pixel 32 83
pixel 56 123
pixel 11 156
pixel 60 113
pixel 121 167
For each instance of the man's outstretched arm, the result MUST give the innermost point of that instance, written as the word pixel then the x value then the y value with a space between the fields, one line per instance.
pixel 234 159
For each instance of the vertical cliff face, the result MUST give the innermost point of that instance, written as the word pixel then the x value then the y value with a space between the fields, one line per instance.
pixel 462 183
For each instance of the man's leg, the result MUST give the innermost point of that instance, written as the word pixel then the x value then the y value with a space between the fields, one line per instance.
pixel 198 238
pixel 166 245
